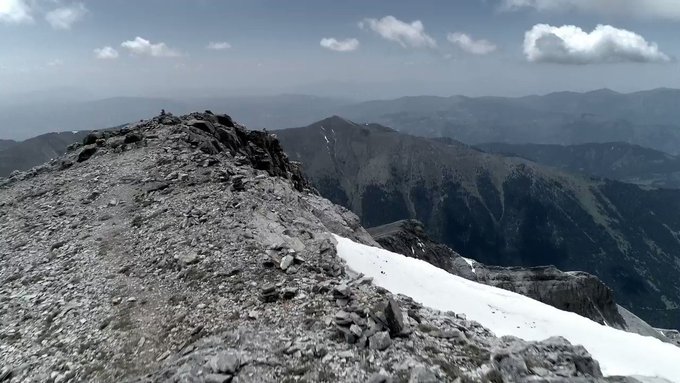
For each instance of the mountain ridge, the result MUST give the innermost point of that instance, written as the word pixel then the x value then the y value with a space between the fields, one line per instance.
pixel 191 249
pixel 501 211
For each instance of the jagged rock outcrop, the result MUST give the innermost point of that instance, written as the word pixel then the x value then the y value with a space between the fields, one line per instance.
pixel 188 249
pixel 578 292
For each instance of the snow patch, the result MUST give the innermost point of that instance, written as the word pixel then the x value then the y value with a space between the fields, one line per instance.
pixel 507 313
pixel 471 263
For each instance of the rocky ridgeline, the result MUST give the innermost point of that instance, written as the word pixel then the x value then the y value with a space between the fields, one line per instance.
pixel 189 249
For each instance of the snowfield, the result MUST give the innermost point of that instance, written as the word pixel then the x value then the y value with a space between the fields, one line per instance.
pixel 508 313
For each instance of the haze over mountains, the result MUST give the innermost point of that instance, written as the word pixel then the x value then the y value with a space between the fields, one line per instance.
pixel 649 118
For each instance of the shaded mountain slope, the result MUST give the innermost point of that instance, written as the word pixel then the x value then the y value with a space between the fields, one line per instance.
pixel 27 154
pixel 613 160
pixel 503 211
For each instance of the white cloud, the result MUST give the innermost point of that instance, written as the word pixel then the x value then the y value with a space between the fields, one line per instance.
pixel 405 34
pixel 65 17
pixel 106 53
pixel 218 45
pixel 347 45
pixel 569 44
pixel 15 12
pixel 143 47
pixel 661 9
pixel 468 44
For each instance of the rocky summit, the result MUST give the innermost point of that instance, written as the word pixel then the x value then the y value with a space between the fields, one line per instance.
pixel 190 249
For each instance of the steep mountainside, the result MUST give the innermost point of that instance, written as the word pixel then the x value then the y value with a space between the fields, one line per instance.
pixel 577 292
pixel 35 151
pixel 191 250
pixel 503 211
pixel 649 118
pixel 613 160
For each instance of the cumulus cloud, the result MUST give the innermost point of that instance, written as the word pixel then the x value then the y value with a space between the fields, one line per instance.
pixel 347 45
pixel 65 17
pixel 143 47
pixel 218 45
pixel 106 53
pixel 569 44
pixel 661 9
pixel 470 45
pixel 407 35
pixel 15 12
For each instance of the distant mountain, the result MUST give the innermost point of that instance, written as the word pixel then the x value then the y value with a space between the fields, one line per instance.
pixel 650 118
pixel 4 144
pixel 35 151
pixel 503 211
pixel 614 160
pixel 270 112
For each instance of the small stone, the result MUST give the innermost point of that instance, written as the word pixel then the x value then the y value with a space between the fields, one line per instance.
pixel 394 317
pixel 380 341
pixel 356 330
pixel 269 288
pixel 379 378
pixel 189 258
pixel 218 378
pixel 289 292
pixel 132 299
pixel 286 262
pixel 225 362
pixel 341 290
pixel 422 375
pixel 345 334
pixel 342 318
pixel 253 314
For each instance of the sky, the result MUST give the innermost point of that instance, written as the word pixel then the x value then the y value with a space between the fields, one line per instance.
pixel 348 48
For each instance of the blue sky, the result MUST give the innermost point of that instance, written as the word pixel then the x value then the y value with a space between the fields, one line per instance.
pixel 372 48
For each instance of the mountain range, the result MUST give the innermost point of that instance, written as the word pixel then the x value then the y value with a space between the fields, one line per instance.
pixel 614 160
pixel 648 118
pixel 501 210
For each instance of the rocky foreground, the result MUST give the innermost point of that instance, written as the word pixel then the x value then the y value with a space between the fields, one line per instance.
pixel 191 250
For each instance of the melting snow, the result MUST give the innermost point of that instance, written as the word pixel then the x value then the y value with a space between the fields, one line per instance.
pixel 507 313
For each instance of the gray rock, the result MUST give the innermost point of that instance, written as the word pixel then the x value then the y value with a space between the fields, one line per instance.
pixel 380 341
pixel 225 362
pixel 422 375
pixel 394 317
pixel 190 258
pixel 287 262
pixel 379 378
pixel 218 378
pixel 356 330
